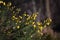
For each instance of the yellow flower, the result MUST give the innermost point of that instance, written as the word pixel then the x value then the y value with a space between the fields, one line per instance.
pixel 27 15
pixel 1 1
pixel 41 28
pixel 27 23
pixel 20 17
pixel 15 23
pixel 35 15
pixel 16 18
pixel 34 18
pixel 28 18
pixel 13 16
pixel 31 36
pixel 18 9
pixel 38 31
pixel 9 4
pixel 41 33
pixel 33 22
pixel 14 27
pixel 4 3
pixel 34 26
pixel 24 14
pixel 44 26
pixel 48 21
pixel 38 23
pixel 19 21
pixel 18 27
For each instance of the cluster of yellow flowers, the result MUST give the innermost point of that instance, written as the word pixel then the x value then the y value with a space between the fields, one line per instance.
pixel 18 27
pixel 34 15
pixel 4 3
pixel 17 20
pixel 28 19
pixel 35 24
